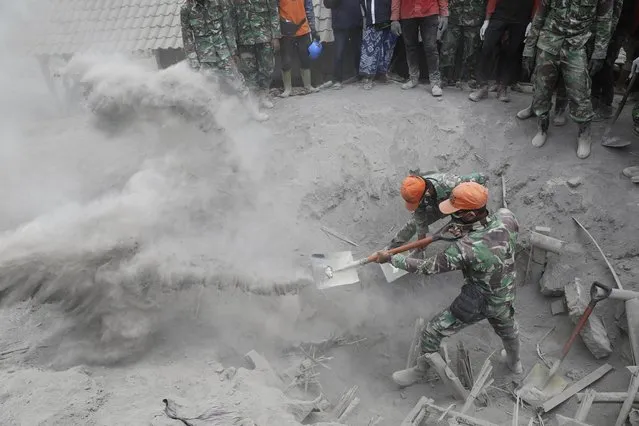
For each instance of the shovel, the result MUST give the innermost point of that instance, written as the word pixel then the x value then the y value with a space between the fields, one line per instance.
pixel 616 142
pixel 337 269
pixel 543 383
pixel 595 297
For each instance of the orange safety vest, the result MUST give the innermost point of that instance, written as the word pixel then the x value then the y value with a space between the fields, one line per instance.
pixel 294 11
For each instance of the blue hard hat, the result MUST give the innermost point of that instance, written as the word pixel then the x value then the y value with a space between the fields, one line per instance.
pixel 315 49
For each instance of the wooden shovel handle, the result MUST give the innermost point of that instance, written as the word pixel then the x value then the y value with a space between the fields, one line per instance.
pixel 407 247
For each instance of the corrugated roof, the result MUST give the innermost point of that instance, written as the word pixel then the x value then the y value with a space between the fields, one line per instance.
pixel 109 26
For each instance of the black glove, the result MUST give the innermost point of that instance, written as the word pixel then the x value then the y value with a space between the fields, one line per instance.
pixel 314 35
pixel 595 66
pixel 528 64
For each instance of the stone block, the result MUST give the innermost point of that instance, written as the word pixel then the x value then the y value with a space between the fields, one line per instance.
pixel 594 333
pixel 556 276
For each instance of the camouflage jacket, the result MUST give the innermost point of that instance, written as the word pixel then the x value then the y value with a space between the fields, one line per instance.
pixel 208 31
pixel 572 22
pixel 485 255
pixel 428 212
pixel 258 21
pixel 466 13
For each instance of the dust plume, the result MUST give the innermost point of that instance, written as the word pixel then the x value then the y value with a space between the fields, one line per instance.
pixel 137 197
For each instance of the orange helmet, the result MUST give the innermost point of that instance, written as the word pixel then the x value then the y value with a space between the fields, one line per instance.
pixel 465 196
pixel 413 190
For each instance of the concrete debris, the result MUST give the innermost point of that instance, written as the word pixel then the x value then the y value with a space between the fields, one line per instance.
pixel 633 417
pixel 555 277
pixel 574 182
pixel 594 333
pixel 558 307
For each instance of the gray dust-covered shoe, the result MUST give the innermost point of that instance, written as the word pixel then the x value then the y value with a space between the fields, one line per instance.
pixel 410 84
pixel 631 172
pixel 542 132
pixel 502 94
pixel 436 90
pixel 510 355
pixel 479 94
pixel 410 376
pixel 584 140
pixel 526 113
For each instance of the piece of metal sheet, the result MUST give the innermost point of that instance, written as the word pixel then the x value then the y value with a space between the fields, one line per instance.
pixel 337 260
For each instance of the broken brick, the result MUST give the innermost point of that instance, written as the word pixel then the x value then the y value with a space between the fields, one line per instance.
pixel 556 276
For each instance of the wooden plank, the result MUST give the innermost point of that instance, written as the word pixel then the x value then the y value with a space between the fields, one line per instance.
pixel 416 414
pixel 632 392
pixel 586 404
pixel 447 375
pixel 414 350
pixel 614 397
pixel 576 387
pixel 632 316
pixel 567 421
pixel 469 420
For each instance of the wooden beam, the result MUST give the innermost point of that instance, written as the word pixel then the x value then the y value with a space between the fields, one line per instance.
pixel 632 392
pixel 469 420
pixel 417 414
pixel 586 404
pixel 576 387
pixel 567 421
pixel 447 375
pixel 632 316
pixel 415 349
pixel 614 397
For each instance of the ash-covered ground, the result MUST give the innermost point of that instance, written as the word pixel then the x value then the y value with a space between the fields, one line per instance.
pixel 140 253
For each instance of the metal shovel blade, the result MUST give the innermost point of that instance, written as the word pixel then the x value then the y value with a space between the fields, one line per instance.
pixel 323 280
pixel 538 387
pixel 392 273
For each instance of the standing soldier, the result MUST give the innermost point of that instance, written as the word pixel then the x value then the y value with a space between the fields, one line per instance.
pixel 208 34
pixel 485 254
pixel 558 36
pixel 464 22
pixel 258 34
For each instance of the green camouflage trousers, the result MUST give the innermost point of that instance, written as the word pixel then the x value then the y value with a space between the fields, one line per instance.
pixel 635 114
pixel 501 317
pixel 573 66
pixel 229 72
pixel 257 62
pixel 468 37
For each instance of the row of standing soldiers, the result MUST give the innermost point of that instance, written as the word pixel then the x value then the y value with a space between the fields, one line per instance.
pixel 238 39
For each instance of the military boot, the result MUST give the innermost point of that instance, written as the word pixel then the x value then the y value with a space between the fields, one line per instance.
pixel 410 376
pixel 526 113
pixel 584 140
pixel 510 355
pixel 479 94
pixel 542 133
pixel 502 93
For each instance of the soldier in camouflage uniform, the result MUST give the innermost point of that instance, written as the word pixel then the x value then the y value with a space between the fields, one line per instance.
pixel 464 22
pixel 422 195
pixel 258 34
pixel 485 253
pixel 559 34
pixel 208 34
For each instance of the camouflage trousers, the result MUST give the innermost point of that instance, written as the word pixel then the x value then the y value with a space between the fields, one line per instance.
pixel 468 38
pixel 635 114
pixel 228 70
pixel 573 66
pixel 501 317
pixel 257 63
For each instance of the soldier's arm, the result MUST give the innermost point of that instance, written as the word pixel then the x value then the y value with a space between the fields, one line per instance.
pixel 449 260
pixel 603 24
pixel 310 14
pixel 188 40
pixel 275 18
pixel 537 24
pixel 405 234
pixel 229 26
pixel 480 178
